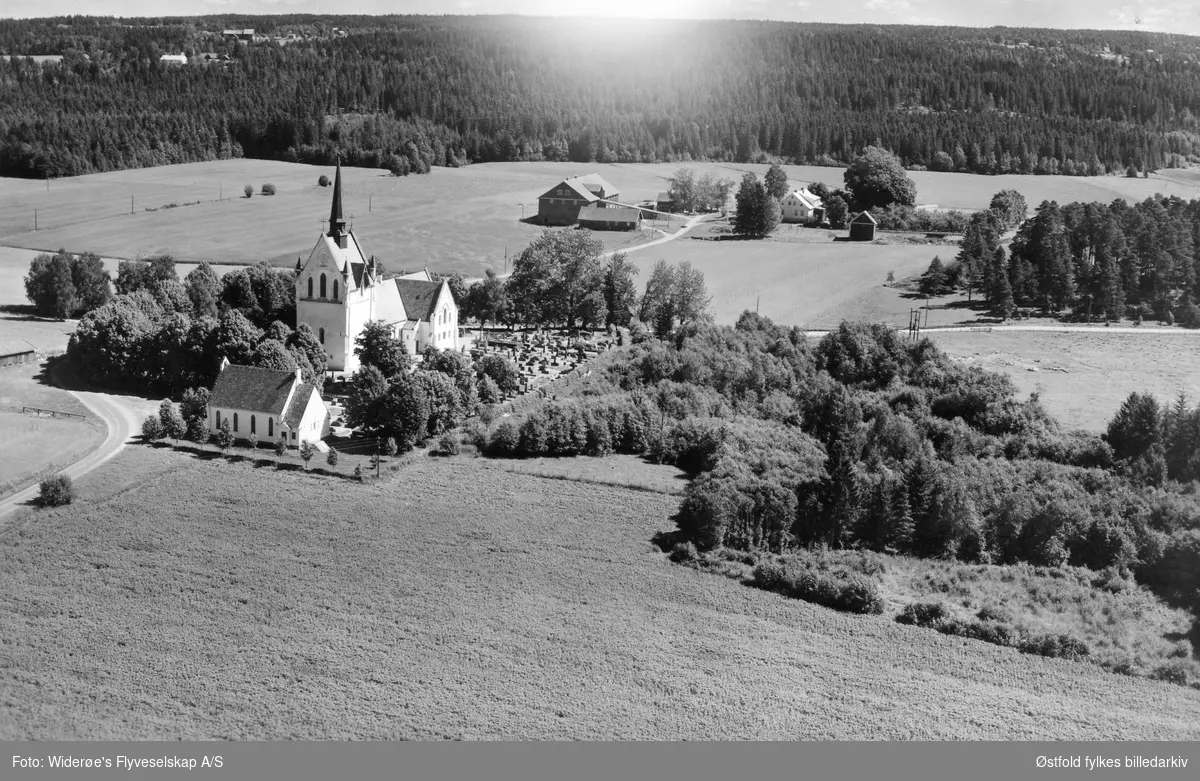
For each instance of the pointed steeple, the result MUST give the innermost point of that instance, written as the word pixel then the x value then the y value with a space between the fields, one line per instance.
pixel 337 222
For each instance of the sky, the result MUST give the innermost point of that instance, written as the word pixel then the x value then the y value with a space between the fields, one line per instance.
pixel 1178 16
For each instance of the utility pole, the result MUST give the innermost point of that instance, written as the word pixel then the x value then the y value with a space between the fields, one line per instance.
pixel 131 204
pixel 35 219
pixel 370 198
pixel 376 457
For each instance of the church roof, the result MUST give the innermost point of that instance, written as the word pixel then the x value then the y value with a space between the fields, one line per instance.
pixel 295 410
pixel 252 388
pixel 419 297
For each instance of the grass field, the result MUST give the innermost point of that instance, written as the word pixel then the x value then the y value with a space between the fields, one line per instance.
pixel 460 600
pixel 615 470
pixel 805 284
pixel 450 220
pixel 37 446
pixel 1082 378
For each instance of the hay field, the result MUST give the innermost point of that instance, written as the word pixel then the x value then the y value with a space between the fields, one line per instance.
pixel 36 446
pixel 1082 378
pixel 186 599
pixel 804 284
pixel 450 220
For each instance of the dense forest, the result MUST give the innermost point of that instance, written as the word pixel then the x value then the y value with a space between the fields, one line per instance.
pixel 406 93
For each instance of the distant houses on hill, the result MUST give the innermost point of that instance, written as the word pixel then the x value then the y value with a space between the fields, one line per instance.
pixel 560 205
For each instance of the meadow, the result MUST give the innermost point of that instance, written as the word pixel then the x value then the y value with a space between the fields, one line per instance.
pixel 462 219
pixel 37 446
pixel 1082 378
pixel 459 600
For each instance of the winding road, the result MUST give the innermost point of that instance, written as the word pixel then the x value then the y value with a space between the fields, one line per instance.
pixel 122 423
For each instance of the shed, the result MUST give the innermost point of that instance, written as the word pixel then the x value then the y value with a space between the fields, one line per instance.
pixel 862 227
pixel 613 218
pixel 665 202
pixel 16 352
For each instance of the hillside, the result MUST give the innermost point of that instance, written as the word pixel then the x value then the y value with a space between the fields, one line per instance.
pixel 458 600
pixel 405 93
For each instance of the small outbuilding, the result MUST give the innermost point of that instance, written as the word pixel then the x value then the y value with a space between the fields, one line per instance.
pixel 665 202
pixel 611 218
pixel 12 353
pixel 862 227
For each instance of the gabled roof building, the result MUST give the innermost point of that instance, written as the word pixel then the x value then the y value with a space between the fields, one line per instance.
pixel 560 204
pixel 270 404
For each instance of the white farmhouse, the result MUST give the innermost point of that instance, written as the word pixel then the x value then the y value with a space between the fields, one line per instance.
pixel 339 290
pixel 801 206
pixel 269 403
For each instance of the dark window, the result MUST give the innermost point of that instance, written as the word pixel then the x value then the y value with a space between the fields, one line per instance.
pixel 310 287
pixel 322 286
pixel 321 335
pixel 217 418
pixel 252 425
pixel 235 421
pixel 270 427
pixel 335 290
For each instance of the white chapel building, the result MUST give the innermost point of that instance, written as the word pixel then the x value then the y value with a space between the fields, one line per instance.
pixel 339 290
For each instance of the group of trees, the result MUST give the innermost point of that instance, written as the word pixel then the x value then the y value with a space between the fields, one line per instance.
pixel 867 440
pixel 1086 260
pixel 388 398
pixel 562 279
pixel 709 193
pixel 63 285
pixel 406 93
pixel 170 335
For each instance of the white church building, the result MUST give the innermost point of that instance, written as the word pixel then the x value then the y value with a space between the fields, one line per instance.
pixel 339 289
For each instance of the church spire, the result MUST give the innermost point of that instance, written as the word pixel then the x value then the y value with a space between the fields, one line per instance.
pixel 337 222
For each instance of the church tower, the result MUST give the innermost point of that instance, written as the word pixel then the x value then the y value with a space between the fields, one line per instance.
pixel 335 287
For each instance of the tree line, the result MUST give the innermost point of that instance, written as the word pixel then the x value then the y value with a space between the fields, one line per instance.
pixel 1084 260
pixel 409 92
pixel 163 333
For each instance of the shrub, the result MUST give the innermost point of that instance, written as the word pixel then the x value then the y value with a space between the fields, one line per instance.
pixel 505 441
pixel 56 491
pixel 268 189
pixel 927 614
pixel 332 457
pixel 684 552
pixel 448 444
pixel 1177 671
pixel 151 428
pixel 1055 646
pixel 850 593
pixel 323 181
pixel 248 190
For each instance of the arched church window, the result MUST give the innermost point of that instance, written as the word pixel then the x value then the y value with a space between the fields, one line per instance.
pixel 322 286
pixel 217 418
pixel 270 427
pixel 335 290
pixel 321 335
pixel 235 421
pixel 310 287
pixel 253 422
